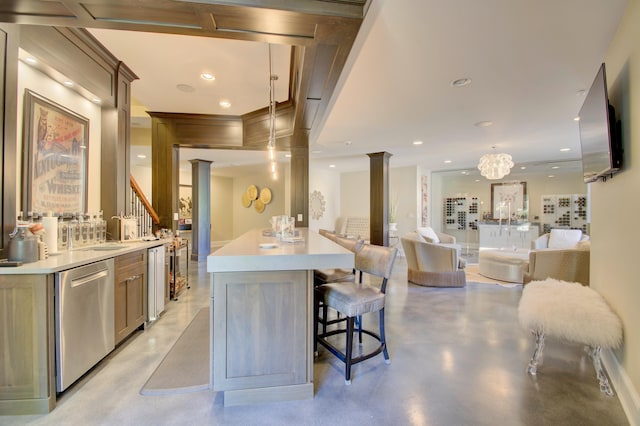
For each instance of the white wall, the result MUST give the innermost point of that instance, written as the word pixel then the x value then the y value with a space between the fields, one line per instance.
pixel 614 211
pixel 29 78
pixel 222 199
pixel 403 187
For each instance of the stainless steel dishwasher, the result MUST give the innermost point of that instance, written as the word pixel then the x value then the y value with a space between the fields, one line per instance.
pixel 84 319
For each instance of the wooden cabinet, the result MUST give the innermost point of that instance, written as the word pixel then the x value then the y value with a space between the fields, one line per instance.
pixel 27 369
pixel 262 339
pixel 130 293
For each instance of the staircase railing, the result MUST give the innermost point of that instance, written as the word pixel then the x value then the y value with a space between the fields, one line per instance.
pixel 142 210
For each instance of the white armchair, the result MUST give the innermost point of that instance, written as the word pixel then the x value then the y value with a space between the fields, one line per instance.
pixel 563 254
pixel 433 264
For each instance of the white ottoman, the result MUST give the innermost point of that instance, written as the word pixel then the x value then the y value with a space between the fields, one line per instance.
pixel 503 264
pixel 572 312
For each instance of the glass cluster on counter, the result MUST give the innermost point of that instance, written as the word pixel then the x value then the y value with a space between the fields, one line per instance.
pixel 73 231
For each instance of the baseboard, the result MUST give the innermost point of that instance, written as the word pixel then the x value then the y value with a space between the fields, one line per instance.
pixel 625 390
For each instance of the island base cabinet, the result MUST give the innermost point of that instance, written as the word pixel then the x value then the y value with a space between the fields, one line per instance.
pixel 262 347
pixel 27 369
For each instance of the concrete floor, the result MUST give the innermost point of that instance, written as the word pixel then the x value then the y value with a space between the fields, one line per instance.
pixel 458 358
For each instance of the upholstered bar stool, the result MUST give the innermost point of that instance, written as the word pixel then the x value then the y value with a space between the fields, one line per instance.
pixel 325 276
pixel 356 299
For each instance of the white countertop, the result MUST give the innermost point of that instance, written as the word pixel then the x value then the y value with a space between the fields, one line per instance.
pixel 244 254
pixel 81 256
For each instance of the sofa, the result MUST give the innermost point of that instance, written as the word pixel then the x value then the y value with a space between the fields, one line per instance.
pixel 433 264
pixel 562 254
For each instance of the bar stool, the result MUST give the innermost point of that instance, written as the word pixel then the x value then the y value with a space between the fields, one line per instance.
pixel 325 276
pixel 354 300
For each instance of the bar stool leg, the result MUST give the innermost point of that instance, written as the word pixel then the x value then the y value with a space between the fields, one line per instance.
pixel 383 339
pixel 348 351
pixel 316 309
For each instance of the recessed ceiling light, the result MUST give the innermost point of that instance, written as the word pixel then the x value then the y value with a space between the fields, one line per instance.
pixel 523 167
pixel 477 180
pixel 418 142
pixel 225 104
pixel 464 172
pixel 31 60
pixel 287 155
pixel 565 149
pixel 185 88
pixel 555 167
pixel 333 166
pixel 68 83
pixel 577 118
pixel 141 156
pixel 460 82
pixel 447 161
pixel 207 76
pixel 551 176
pixel 483 123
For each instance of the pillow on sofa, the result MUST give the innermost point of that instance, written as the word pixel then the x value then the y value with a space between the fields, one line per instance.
pixel 428 234
pixel 564 238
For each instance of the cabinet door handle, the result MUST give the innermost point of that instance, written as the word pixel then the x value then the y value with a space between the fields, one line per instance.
pixel 133 277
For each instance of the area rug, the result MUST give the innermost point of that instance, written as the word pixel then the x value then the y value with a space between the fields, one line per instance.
pixel 185 368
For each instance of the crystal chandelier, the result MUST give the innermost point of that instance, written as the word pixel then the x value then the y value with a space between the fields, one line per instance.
pixel 271 145
pixel 495 166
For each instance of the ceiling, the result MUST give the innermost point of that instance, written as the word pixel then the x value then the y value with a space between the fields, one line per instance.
pixel 529 63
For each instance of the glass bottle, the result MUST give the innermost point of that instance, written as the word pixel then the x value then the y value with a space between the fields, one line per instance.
pixel 74 232
pixel 102 228
pixel 91 240
pixel 84 229
pixel 63 234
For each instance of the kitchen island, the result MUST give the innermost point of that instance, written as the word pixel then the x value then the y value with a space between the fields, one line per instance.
pixel 262 316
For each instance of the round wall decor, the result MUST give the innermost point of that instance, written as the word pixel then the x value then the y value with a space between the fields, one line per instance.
pixel 258 205
pixel 316 205
pixel 265 195
pixel 252 191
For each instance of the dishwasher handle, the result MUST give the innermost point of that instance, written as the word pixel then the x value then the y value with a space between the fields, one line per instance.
pixel 89 278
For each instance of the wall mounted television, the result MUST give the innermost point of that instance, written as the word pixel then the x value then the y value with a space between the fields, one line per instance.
pixel 599 132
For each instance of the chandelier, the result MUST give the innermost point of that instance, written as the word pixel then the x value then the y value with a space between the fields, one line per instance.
pixel 495 166
pixel 271 144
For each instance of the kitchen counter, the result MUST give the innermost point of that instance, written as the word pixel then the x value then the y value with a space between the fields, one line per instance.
pixel 81 256
pixel 29 320
pixel 245 253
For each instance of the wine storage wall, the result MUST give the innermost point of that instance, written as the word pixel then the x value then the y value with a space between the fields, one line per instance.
pixel 564 211
pixel 460 213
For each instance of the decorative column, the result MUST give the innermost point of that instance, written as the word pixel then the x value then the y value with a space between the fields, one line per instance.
pixel 201 212
pixel 379 197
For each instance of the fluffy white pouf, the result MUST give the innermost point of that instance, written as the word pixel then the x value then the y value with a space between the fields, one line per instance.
pixel 570 311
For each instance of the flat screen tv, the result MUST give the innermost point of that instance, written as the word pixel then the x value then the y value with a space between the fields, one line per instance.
pixel 599 132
